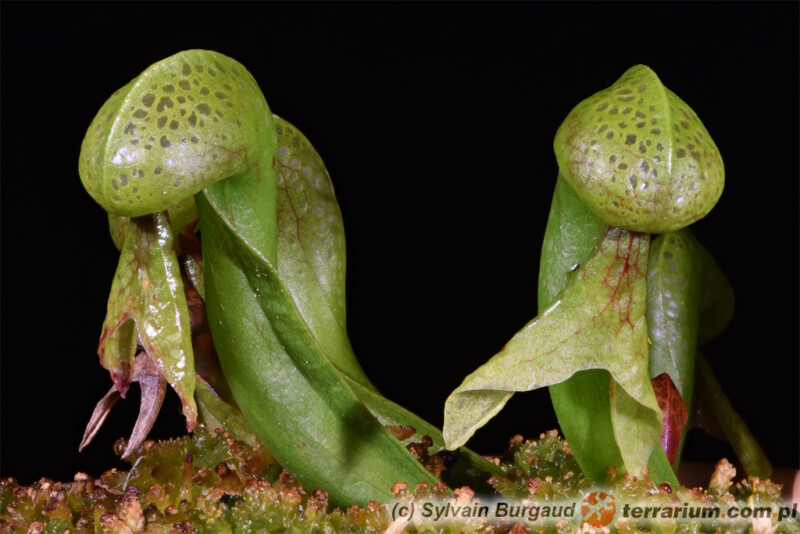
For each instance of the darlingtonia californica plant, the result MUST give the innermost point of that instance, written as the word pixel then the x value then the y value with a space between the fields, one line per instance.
pixel 232 247
pixel 622 311
pixel 192 139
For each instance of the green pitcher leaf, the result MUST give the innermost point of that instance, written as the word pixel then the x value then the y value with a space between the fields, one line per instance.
pixel 216 413
pixel 597 322
pixel 639 157
pixel 582 402
pixel 311 264
pixel 298 403
pixel 583 406
pixel 570 239
pixel 311 246
pixel 713 401
pixel 689 301
pixel 271 231
pixel 673 302
pixel 637 429
pixel 469 468
pixel 189 120
pixel 717 301
pixel 147 306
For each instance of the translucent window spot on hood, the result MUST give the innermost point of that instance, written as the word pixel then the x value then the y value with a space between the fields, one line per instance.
pixel 119 156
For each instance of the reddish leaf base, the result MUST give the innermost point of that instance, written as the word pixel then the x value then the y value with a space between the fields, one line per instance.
pixel 674 413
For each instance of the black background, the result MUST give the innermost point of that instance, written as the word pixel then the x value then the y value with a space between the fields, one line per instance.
pixel 436 123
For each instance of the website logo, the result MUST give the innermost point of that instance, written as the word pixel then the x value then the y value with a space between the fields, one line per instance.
pixel 598 509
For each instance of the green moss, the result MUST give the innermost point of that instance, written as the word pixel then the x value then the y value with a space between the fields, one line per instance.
pixel 210 482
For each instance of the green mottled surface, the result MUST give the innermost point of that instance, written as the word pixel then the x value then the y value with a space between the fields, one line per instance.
pixel 311 246
pixel 185 122
pixel 639 156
